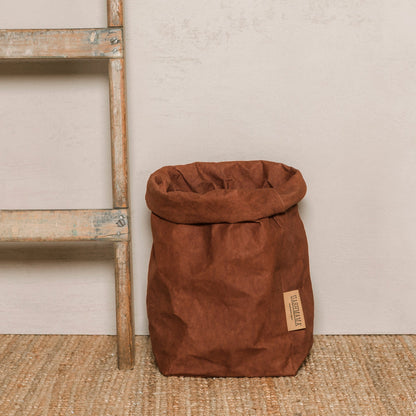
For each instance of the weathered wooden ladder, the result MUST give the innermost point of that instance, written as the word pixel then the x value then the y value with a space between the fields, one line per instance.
pixel 85 225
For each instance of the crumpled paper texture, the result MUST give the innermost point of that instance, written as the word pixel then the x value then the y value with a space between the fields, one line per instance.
pixel 227 242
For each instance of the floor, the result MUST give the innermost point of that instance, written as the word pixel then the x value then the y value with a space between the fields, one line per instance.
pixel 77 375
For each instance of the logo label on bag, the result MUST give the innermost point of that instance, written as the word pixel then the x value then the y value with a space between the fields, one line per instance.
pixel 294 311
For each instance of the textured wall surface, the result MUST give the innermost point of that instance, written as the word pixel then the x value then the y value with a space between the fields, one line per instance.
pixel 326 86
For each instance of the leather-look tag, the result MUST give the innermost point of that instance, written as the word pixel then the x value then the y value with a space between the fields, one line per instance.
pixel 294 311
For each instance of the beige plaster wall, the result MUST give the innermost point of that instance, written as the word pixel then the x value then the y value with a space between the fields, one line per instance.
pixel 326 86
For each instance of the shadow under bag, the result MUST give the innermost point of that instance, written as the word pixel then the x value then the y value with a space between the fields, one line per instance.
pixel 229 290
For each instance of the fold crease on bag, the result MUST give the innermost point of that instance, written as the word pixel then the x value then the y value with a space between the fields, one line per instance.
pixel 229 290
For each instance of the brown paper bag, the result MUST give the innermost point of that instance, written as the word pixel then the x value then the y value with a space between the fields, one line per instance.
pixel 229 290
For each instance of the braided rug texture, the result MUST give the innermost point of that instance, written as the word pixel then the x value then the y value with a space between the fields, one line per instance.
pixel 77 375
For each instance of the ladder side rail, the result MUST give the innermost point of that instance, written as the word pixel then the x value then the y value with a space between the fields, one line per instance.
pixel 122 252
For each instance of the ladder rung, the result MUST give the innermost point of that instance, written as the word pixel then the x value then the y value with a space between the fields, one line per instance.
pixel 64 225
pixel 61 43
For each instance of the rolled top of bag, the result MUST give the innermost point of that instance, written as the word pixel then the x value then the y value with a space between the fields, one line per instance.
pixel 230 192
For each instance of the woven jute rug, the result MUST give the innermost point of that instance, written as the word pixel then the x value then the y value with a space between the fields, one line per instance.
pixel 77 375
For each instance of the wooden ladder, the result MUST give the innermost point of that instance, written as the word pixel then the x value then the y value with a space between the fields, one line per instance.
pixel 91 224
